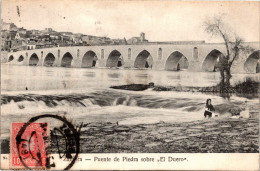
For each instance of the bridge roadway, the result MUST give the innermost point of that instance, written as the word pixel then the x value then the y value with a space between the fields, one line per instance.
pixel 193 56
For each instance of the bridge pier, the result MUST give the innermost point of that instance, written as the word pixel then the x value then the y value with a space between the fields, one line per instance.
pixel 41 60
pixel 127 63
pixel 194 65
pixel 158 65
pixel 76 63
pixel 101 63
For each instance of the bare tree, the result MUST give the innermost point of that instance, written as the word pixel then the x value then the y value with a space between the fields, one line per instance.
pixel 233 44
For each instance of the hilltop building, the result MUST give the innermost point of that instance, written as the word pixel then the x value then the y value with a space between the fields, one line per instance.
pixel 137 40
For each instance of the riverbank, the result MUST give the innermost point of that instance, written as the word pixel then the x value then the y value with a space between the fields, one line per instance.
pixel 248 88
pixel 219 135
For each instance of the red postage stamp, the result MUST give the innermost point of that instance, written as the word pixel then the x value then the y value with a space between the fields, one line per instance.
pixel 29 143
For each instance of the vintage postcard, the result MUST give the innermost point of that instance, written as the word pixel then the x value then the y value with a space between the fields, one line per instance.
pixel 129 85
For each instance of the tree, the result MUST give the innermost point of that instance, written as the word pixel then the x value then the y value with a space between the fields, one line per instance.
pixel 233 45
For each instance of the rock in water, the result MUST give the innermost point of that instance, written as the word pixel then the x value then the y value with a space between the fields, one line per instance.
pixel 133 87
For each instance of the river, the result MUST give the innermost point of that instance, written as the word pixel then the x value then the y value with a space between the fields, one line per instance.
pixel 83 95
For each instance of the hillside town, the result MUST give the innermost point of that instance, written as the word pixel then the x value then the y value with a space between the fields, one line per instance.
pixel 16 39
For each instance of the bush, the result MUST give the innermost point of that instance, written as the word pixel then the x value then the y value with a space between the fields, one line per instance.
pixel 249 86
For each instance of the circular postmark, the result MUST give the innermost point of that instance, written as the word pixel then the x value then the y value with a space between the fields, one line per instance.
pixel 68 131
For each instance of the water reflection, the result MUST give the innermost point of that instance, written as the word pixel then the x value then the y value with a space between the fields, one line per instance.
pixel 142 75
pixel 113 75
pixel 89 74
pixel 52 78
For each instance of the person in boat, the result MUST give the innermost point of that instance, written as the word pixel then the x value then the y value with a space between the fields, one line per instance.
pixel 209 109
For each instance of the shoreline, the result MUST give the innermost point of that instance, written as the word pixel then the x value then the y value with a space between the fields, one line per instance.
pixel 251 92
pixel 215 135
pixel 218 135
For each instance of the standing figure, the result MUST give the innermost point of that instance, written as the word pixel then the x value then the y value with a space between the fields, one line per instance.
pixel 209 109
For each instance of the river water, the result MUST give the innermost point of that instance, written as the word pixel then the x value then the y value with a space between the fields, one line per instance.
pixel 83 95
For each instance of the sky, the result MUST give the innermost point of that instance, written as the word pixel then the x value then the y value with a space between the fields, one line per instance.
pixel 159 20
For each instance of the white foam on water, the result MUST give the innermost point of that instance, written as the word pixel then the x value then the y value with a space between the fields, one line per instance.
pixel 127 107
pixel 52 92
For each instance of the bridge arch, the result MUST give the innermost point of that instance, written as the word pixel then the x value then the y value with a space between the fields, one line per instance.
pixel 252 62
pixel 49 60
pixel 66 60
pixel 143 60
pixel 176 61
pixel 10 58
pixel 33 61
pixel 211 61
pixel 21 58
pixel 89 59
pixel 115 59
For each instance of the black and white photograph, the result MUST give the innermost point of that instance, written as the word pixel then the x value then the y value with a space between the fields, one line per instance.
pixel 129 85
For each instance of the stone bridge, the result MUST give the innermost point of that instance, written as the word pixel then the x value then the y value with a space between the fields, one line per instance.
pixel 194 57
